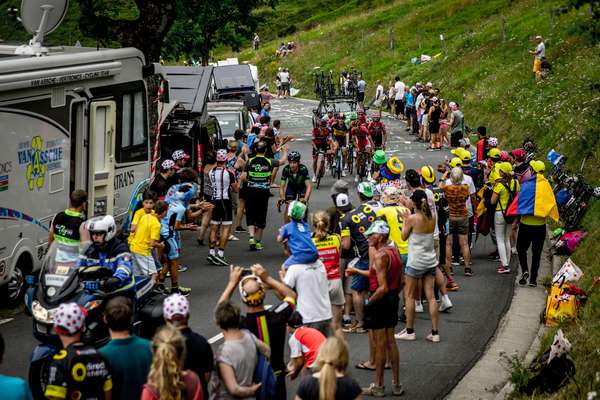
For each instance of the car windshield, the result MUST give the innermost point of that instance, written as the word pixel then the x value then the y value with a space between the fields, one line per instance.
pixel 229 122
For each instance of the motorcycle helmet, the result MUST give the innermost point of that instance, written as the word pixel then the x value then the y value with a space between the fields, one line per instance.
pixel 428 174
pixel 293 156
pixel 105 224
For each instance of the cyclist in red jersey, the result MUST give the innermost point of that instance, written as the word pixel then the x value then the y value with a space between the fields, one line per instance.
pixel 377 132
pixel 361 137
pixel 321 140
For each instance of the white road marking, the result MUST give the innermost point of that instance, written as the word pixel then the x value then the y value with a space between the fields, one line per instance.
pixel 5 321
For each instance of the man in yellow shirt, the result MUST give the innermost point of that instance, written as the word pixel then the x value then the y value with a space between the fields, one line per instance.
pixel 145 238
pixel 148 199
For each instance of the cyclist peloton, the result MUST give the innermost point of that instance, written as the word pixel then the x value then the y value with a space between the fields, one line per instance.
pixel 321 140
pixel 295 182
pixel 362 143
pixel 342 137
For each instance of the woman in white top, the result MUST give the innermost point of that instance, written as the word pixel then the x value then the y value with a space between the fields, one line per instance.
pixel 421 264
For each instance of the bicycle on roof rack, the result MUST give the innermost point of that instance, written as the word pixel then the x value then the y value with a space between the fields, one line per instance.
pixel 335 96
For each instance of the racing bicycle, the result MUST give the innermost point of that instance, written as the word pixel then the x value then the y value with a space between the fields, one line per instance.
pixel 320 166
pixel 363 161
pixel 337 164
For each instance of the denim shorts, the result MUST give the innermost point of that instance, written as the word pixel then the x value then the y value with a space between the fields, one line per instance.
pixel 359 282
pixel 420 273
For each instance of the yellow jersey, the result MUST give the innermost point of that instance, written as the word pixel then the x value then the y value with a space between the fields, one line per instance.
pixel 148 229
pixel 393 217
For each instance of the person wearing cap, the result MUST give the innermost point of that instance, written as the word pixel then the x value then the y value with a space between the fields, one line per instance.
pixel 295 182
pixel 145 243
pixel 180 157
pixel 391 213
pixel 322 141
pixel 379 159
pixel 223 183
pixel 164 179
pixel 270 326
pixel 363 145
pixel 382 304
pixel 198 353
pixel 13 388
pixel 77 371
pixel 539 54
pixel 304 345
pixel 520 168
pixel 457 193
pixel 468 179
pixel 422 262
pixel 532 233
pixel 237 356
pixel 341 134
pixel 409 106
pixel 353 226
pixel 296 236
pixel 129 356
pixel 505 190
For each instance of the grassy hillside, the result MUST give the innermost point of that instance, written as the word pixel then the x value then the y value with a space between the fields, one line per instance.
pixel 489 77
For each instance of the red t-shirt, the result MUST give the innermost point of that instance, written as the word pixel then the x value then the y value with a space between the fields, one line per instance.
pixel 394 273
pixel 306 342
pixel 329 249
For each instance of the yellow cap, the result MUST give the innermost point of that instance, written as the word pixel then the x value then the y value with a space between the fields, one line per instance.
pixel 538 166
pixel 456 162
pixel 427 174
pixel 494 153
pixel 505 167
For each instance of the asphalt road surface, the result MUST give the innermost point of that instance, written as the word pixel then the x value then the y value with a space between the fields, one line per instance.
pixel 427 370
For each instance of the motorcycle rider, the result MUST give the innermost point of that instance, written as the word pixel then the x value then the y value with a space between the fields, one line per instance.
pixel 106 250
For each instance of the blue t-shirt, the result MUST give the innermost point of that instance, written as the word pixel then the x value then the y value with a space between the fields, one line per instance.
pixel 409 98
pixel 176 212
pixel 299 241
pixel 264 113
pixel 171 197
pixel 250 141
pixel 14 388
pixel 361 85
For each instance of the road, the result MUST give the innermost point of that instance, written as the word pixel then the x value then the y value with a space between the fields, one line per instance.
pixel 428 371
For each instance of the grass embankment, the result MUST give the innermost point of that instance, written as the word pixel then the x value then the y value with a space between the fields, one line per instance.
pixel 489 77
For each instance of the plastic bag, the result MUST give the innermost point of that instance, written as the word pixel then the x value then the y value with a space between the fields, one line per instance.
pixel 560 345
pixel 569 242
pixel 569 272
pixel 560 306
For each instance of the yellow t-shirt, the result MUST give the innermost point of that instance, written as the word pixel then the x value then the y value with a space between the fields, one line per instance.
pixel 136 219
pixel 502 192
pixel 393 217
pixel 148 229
pixel 532 220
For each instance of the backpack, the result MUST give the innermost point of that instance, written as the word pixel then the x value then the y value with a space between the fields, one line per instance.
pixel 264 374
pixel 568 242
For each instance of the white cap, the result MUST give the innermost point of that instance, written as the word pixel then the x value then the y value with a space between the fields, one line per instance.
pixel 175 304
pixel 380 227
pixel 342 201
pixel 69 318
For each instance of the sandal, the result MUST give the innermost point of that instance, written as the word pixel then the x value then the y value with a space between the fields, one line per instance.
pixel 363 365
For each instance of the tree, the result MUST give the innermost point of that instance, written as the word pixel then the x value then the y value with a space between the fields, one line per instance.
pixel 143 24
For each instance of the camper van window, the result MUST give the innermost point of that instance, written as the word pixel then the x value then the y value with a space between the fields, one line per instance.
pixel 134 139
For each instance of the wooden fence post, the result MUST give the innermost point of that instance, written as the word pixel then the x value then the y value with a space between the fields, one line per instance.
pixel 390 39
pixel 502 28
pixel 552 20
pixel 362 39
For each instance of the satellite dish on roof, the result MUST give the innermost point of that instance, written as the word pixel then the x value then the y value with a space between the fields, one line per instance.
pixel 40 17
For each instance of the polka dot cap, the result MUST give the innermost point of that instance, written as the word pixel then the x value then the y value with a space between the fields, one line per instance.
pixel 69 317
pixel 175 304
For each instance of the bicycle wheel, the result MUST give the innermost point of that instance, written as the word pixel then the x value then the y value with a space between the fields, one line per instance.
pixel 338 165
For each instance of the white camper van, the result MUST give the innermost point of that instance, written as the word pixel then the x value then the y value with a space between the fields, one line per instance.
pixel 74 118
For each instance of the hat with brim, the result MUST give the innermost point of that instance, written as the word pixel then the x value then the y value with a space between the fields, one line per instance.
pixel 342 202
pixel 366 189
pixel 379 227
pixel 456 162
pixel 379 157
pixel 537 165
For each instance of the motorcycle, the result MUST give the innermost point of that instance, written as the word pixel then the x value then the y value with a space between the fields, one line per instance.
pixel 61 280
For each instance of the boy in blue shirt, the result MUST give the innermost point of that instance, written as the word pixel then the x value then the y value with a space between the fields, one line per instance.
pixel 297 236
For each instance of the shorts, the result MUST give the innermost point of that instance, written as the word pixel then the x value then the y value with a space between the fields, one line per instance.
pixel 459 225
pixel 222 213
pixel 171 249
pixel 235 199
pixel 336 292
pixel 242 192
pixel 537 65
pixel 294 194
pixel 420 273
pixel 256 207
pixel 377 140
pixel 324 147
pixel 436 246
pixel 341 140
pixel 382 314
pixel 360 96
pixel 399 106
pixel 321 326
pixel 285 86
pixel 143 264
pixel 359 282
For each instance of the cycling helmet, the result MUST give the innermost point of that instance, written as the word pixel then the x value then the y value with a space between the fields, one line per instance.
pixel 221 155
pixel 597 192
pixel 456 162
pixel 296 210
pixel 428 174
pixel 293 156
pixel 167 164
pixel 379 157
pixel 504 155
pixel 105 224
pixel 493 142
pixel 494 154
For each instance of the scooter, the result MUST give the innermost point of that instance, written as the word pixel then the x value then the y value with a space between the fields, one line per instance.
pixel 61 280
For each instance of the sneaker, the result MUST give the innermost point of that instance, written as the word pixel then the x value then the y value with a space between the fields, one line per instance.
pixel 218 260
pixel 493 256
pixel 185 291
pixel 258 246
pixel 419 307
pixel 404 335
pixel 314 179
pixel 524 279
pixel 240 229
pixel 182 268
pixel 211 258
pixel 468 272
pixel 346 322
pixel 503 270
pixel 455 263
pixel 532 284
pixel 233 238
pixel 397 390
pixel 452 286
pixel 433 338
pixel 252 244
pixel 445 306
pixel 374 390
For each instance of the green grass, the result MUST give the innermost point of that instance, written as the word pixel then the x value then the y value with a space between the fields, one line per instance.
pixel 491 79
